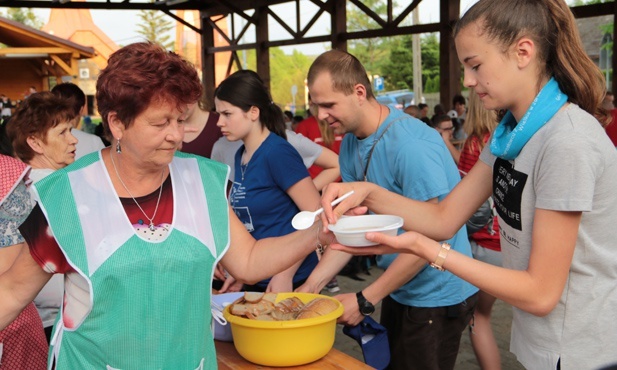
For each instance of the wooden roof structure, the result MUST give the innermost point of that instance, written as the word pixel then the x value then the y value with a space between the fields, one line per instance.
pixel 24 40
pixel 77 26
pixel 259 13
pixel 42 53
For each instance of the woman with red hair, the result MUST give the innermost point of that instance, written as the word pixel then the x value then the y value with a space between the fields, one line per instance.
pixel 138 229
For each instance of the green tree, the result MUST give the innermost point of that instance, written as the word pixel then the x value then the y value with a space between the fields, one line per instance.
pixel 398 69
pixel 430 58
pixel 285 72
pixel 390 57
pixel 428 86
pixel 155 27
pixel 372 52
pixel 398 66
pixel 25 16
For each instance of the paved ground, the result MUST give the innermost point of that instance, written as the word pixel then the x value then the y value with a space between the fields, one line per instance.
pixel 502 317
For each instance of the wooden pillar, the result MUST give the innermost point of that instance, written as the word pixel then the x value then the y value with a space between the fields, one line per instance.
pixel 263 50
pixel 338 19
pixel 207 59
pixel 449 66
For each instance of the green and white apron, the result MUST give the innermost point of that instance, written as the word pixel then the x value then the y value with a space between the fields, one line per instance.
pixel 140 304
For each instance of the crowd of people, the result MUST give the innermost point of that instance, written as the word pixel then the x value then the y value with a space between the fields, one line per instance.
pixel 508 195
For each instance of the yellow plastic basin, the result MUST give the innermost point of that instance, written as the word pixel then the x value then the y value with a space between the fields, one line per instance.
pixel 285 343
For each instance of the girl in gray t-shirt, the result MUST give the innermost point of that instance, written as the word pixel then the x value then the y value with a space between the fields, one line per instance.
pixel 552 172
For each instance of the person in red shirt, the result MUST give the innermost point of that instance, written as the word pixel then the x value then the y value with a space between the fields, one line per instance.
pixel 320 133
pixel 611 128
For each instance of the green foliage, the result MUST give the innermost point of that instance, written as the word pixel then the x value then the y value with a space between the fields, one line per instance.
pixel 430 57
pixel 432 85
pixel 396 64
pixel 25 16
pixel 398 68
pixel 155 27
pixel 429 85
pixel 286 71
pixel 607 28
pixel 371 52
pixel 587 2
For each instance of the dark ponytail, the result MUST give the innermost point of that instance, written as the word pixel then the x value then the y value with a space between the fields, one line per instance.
pixel 245 89
pixel 552 26
pixel 273 119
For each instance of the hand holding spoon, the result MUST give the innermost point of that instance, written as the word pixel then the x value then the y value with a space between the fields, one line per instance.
pixel 303 220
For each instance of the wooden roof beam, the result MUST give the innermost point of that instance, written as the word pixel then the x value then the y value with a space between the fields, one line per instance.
pixel 65 67
pixel 34 50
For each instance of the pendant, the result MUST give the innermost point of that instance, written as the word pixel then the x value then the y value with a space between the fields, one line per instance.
pixel 152 227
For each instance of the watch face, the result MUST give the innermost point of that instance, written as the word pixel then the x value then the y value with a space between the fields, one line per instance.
pixel 367 308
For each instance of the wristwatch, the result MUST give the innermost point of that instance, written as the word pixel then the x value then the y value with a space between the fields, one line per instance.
pixel 366 308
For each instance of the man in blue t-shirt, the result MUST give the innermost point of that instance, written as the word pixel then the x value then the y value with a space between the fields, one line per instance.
pixel 424 310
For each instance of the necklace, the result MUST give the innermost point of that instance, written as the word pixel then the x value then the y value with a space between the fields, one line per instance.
pixel 243 167
pixel 375 141
pixel 151 225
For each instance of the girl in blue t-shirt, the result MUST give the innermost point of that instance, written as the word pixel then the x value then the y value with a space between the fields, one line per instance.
pixel 271 183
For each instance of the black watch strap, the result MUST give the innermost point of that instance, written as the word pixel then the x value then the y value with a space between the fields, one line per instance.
pixel 366 308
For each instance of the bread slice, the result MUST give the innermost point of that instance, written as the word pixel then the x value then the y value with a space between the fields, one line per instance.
pixel 317 307
pixel 270 297
pixel 253 297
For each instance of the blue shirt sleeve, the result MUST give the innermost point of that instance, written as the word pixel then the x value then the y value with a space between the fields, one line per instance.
pixel 285 165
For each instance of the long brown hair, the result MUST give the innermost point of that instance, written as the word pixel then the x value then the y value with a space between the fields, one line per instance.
pixel 551 25
pixel 327 134
pixel 479 122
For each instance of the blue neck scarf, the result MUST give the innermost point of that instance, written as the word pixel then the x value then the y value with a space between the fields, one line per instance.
pixel 510 138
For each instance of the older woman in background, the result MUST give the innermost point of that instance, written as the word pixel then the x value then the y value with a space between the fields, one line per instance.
pixel 40 132
pixel 138 228
pixel 41 136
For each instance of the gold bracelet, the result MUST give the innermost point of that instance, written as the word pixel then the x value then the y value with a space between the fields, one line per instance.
pixel 441 257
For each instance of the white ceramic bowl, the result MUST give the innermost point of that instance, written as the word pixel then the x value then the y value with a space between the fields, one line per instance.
pixel 223 332
pixel 350 231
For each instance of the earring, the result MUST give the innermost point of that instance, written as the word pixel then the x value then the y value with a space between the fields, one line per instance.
pixel 118 148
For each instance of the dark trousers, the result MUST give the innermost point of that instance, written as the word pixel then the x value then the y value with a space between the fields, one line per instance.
pixel 425 338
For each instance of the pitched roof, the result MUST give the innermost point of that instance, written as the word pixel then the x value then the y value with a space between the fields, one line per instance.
pixel 77 25
pixel 15 34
